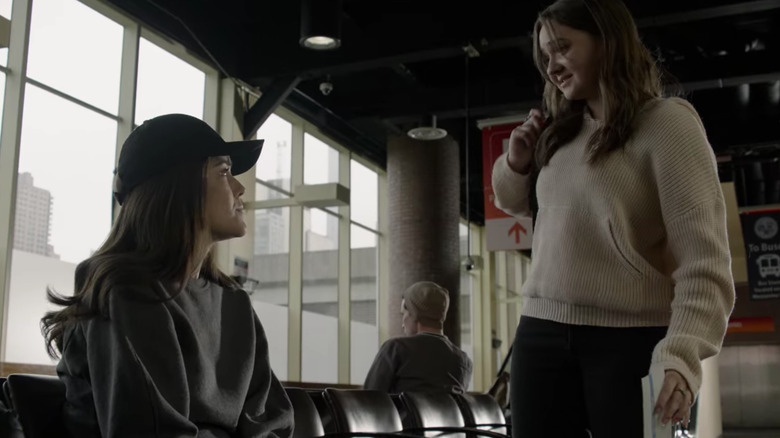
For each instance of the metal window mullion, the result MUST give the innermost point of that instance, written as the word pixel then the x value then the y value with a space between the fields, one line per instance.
pixel 487 314
pixel 13 106
pixel 72 99
pixel 364 227
pixel 224 124
pixel 273 187
pixel 270 203
pixel 295 297
pixel 344 278
pixel 383 261
pixel 211 103
pixel 127 93
pixel 502 312
pixel 476 312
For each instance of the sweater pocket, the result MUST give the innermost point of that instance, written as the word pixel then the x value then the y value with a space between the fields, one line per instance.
pixel 631 261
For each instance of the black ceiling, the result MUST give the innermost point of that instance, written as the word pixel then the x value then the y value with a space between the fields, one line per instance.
pixel 402 59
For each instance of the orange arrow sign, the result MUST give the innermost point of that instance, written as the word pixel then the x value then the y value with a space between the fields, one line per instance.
pixel 517 228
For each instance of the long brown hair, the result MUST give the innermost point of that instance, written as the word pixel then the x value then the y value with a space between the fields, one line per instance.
pixel 628 77
pixel 152 243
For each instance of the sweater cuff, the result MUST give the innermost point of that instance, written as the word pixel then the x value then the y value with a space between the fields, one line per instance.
pixel 688 367
pixel 510 188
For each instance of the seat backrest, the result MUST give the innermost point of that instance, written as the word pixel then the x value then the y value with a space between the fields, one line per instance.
pixel 431 410
pixel 38 400
pixel 323 408
pixel 4 396
pixel 362 410
pixel 6 393
pixel 308 423
pixel 403 411
pixel 481 411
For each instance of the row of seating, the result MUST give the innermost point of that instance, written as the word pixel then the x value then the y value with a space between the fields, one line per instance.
pixel 334 412
pixel 38 401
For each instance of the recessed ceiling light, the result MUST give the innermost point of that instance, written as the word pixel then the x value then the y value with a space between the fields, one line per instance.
pixel 321 42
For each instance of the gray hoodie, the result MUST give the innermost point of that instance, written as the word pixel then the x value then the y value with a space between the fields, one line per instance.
pixel 193 366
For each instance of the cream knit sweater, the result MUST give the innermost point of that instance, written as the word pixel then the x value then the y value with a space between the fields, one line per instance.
pixel 636 239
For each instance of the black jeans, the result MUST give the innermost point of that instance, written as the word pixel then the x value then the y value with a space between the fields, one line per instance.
pixel 567 379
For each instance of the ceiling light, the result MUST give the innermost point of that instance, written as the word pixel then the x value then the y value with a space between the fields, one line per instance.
pixel 427 131
pixel 320 24
pixel 321 42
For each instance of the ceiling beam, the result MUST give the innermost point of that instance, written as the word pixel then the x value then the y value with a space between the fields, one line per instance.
pixel 358 63
pixel 475 112
pixel 272 97
pixel 709 13
pixel 524 105
pixel 492 97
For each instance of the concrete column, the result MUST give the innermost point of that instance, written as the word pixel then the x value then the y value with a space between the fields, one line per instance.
pixel 423 179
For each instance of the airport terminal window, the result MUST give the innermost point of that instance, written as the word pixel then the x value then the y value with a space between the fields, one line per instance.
pixel 166 84
pixel 90 73
pixel 67 151
pixel 275 163
pixel 319 357
pixel 364 291
pixel 63 206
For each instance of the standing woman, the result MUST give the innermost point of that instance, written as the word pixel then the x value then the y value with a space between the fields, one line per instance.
pixel 631 264
pixel 156 341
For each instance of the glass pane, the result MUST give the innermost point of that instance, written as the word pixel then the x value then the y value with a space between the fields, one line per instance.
pixel 5 13
pixel 264 193
pixel 76 50
pixel 320 161
pixel 166 84
pixel 364 331
pixel 63 210
pixel 268 282
pixel 275 163
pixel 364 195
pixel 5 8
pixel 320 297
pixel 463 233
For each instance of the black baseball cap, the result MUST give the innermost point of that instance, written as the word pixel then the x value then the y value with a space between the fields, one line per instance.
pixel 168 140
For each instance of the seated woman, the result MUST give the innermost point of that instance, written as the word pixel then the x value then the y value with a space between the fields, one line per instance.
pixel 156 341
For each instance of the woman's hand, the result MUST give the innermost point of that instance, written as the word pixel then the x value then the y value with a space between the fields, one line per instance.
pixel 675 399
pixel 522 142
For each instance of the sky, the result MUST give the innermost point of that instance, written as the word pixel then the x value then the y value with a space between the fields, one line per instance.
pixel 69 149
